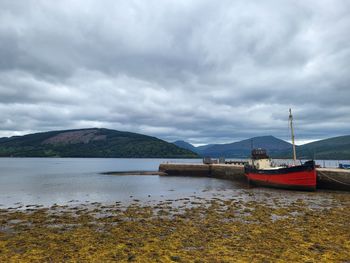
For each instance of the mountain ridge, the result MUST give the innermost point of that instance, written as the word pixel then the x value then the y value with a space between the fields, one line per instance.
pixel 240 149
pixel 185 145
pixel 335 148
pixel 90 142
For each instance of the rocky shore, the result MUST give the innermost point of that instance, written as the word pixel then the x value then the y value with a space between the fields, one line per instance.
pixel 258 227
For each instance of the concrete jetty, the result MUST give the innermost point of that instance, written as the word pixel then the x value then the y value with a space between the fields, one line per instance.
pixel 222 171
pixel 333 178
pixel 327 178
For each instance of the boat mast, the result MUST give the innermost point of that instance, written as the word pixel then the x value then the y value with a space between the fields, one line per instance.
pixel 292 130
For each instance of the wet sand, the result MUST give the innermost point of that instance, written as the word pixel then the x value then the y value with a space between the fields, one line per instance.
pixel 254 226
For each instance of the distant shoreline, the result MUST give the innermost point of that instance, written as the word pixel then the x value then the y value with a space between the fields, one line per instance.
pixel 151 173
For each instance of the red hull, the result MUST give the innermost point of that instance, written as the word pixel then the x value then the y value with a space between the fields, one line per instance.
pixel 297 177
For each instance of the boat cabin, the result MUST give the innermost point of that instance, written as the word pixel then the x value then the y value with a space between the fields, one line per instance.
pixel 260 159
pixel 259 153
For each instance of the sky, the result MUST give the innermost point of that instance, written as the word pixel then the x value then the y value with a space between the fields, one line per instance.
pixel 195 70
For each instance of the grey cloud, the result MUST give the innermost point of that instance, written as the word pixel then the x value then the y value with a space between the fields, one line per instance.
pixel 202 71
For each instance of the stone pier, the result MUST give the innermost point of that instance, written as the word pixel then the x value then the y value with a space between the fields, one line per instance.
pixel 327 178
pixel 222 171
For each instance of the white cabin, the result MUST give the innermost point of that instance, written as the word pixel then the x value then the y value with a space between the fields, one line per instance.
pixel 260 160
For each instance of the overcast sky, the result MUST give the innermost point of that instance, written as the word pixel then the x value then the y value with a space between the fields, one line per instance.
pixel 202 71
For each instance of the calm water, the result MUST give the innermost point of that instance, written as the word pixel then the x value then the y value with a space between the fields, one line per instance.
pixel 48 181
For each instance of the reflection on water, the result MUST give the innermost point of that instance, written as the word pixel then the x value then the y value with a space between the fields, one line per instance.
pixel 46 181
pixel 60 180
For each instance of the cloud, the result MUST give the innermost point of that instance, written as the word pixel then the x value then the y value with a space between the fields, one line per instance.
pixel 196 70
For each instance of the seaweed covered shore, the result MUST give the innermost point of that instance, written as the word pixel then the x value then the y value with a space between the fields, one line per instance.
pixel 262 229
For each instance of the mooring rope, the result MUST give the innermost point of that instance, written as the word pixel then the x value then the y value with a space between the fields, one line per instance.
pixel 322 173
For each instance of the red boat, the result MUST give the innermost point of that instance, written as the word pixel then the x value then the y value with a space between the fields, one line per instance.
pixel 298 177
pixel 259 171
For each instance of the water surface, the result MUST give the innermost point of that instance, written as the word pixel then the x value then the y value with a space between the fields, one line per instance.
pixel 62 181
pixel 47 181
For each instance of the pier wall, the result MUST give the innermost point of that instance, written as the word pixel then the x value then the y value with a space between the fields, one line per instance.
pixel 227 171
pixel 331 178
pixel 221 171
pixel 202 170
pixel 336 179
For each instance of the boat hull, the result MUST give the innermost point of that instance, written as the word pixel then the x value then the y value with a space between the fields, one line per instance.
pixel 302 177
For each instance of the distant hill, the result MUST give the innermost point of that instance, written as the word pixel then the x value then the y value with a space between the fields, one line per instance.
pixel 185 145
pixel 336 148
pixel 240 149
pixel 243 148
pixel 90 143
pixel 202 148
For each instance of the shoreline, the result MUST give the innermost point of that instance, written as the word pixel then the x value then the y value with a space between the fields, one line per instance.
pixel 259 226
pixel 131 173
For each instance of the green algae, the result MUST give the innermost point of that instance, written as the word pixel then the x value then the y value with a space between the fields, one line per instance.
pixel 209 230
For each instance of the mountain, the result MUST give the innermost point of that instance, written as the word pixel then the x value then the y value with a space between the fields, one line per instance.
pixel 202 148
pixel 336 148
pixel 185 145
pixel 239 149
pixel 243 148
pixel 92 142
